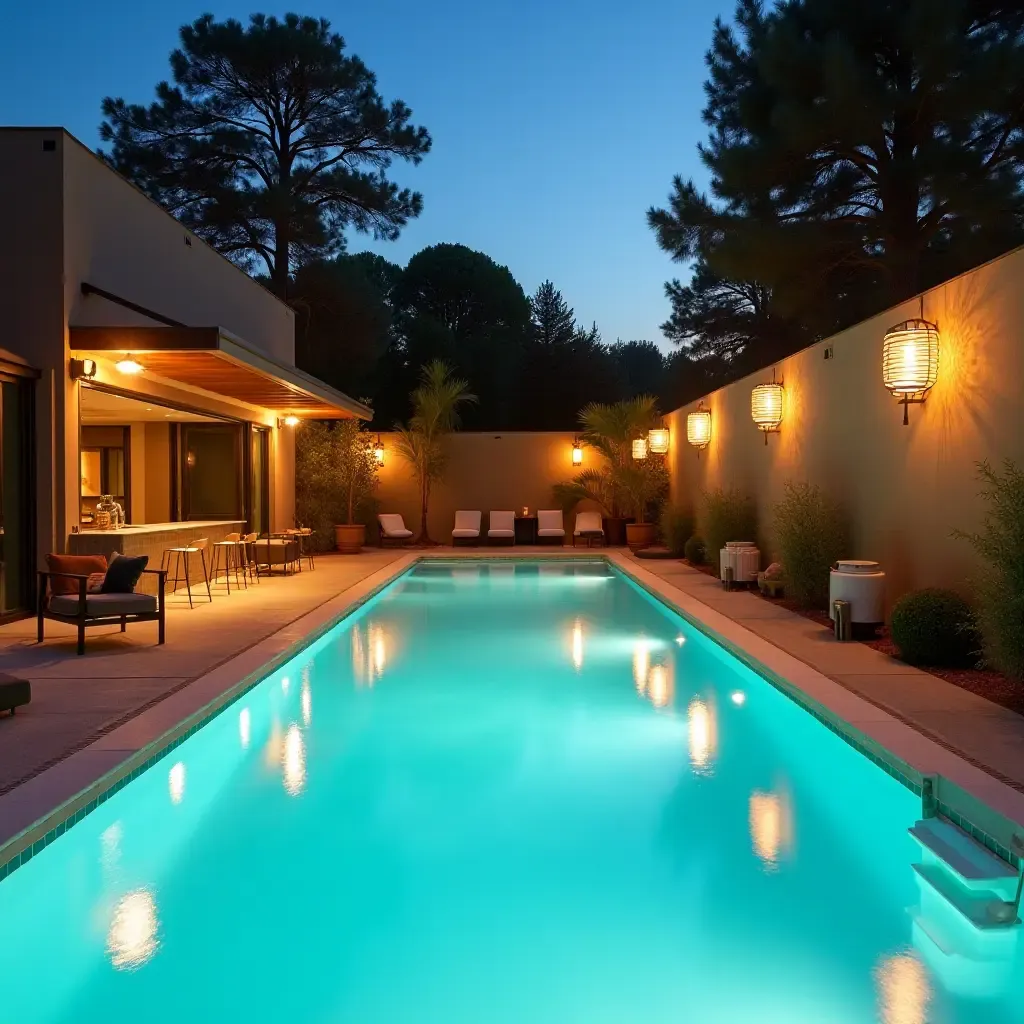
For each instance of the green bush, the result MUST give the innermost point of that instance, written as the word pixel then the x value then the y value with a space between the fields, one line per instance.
pixel 1000 584
pixel 934 627
pixel 811 532
pixel 676 528
pixel 726 515
pixel 695 551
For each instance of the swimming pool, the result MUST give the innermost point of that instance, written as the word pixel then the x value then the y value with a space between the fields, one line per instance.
pixel 499 792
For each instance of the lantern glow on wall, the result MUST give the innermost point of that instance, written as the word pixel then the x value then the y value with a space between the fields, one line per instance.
pixel 767 406
pixel 698 428
pixel 657 440
pixel 640 448
pixel 577 452
pixel 910 360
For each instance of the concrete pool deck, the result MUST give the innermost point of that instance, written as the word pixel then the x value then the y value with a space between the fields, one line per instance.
pixel 95 719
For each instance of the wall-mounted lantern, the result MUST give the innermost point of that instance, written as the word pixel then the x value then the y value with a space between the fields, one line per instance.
pixel 698 428
pixel 378 451
pixel 767 404
pixel 640 448
pixel 657 440
pixel 577 452
pixel 910 360
pixel 288 421
pixel 82 369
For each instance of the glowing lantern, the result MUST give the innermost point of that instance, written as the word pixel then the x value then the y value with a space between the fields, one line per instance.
pixel 378 451
pixel 766 406
pixel 910 361
pixel 657 440
pixel 698 428
pixel 577 453
pixel 640 448
pixel 129 366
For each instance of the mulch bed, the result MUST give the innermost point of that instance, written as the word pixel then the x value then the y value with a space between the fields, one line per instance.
pixel 991 685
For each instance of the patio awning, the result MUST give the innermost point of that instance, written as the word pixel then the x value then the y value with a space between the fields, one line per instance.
pixel 211 359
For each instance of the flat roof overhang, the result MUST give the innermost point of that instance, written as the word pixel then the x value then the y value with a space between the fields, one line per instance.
pixel 212 360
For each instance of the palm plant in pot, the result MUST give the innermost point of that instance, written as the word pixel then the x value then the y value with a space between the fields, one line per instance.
pixel 623 487
pixel 356 472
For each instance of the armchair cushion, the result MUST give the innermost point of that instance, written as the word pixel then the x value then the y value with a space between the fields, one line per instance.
pixel 549 523
pixel 393 525
pixel 76 565
pixel 502 525
pixel 101 605
pixel 123 573
pixel 467 524
pixel 588 523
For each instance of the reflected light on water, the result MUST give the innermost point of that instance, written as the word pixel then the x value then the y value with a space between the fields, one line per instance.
pixel 110 846
pixel 771 827
pixel 274 750
pixel 131 939
pixel 904 991
pixel 307 704
pixel 577 645
pixel 176 782
pixel 703 734
pixel 680 640
pixel 293 760
pixel 378 651
pixel 641 666
pixel 244 727
pixel 369 653
pixel 738 697
pixel 285 683
pixel 660 686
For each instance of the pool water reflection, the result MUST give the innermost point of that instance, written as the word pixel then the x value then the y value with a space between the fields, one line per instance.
pixel 499 793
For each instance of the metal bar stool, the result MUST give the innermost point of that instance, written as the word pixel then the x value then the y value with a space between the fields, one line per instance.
pixel 304 546
pixel 181 557
pixel 251 565
pixel 227 559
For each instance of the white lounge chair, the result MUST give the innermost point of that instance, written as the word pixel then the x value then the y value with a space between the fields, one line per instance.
pixel 392 529
pixel 467 527
pixel 588 527
pixel 502 527
pixel 549 525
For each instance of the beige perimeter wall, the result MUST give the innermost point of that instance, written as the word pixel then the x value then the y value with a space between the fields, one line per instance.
pixel 485 471
pixel 905 487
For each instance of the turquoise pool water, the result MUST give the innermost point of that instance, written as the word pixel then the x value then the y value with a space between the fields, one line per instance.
pixel 499 793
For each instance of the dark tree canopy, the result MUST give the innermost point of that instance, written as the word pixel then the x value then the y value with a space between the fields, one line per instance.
pixel 858 152
pixel 270 142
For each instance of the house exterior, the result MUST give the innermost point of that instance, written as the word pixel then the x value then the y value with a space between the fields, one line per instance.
pixel 97 281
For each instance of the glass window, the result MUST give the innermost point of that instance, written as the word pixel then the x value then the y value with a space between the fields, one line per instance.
pixel 16 498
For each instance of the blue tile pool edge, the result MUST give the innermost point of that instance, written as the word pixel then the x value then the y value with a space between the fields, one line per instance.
pixel 967 810
pixel 21 848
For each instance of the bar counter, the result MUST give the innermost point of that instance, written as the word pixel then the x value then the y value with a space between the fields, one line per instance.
pixel 152 539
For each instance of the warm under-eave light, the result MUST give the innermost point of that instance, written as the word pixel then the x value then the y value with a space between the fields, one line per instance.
pixel 289 421
pixel 128 365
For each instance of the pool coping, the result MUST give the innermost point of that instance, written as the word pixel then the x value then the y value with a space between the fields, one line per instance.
pixel 45 806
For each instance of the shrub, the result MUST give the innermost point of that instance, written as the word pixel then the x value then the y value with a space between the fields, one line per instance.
pixel 934 627
pixel 1000 584
pixel 676 528
pixel 726 515
pixel 812 535
pixel 694 551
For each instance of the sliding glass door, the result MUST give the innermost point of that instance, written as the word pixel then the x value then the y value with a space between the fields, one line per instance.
pixel 17 498
pixel 211 471
pixel 259 480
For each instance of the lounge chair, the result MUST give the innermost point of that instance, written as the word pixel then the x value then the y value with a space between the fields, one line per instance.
pixel 467 528
pixel 501 528
pixel 588 527
pixel 392 529
pixel 549 526
pixel 14 692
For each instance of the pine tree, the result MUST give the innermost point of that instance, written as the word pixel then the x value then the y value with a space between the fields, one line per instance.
pixel 551 317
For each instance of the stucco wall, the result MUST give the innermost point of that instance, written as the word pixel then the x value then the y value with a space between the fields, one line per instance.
pixel 485 472
pixel 905 487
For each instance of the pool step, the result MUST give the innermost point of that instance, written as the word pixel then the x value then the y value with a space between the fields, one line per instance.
pixel 982 908
pixel 974 867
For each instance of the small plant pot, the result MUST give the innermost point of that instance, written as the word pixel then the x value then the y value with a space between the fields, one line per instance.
pixel 349 539
pixel 614 532
pixel 640 535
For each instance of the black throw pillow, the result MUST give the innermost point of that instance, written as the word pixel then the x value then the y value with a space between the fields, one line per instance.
pixel 123 573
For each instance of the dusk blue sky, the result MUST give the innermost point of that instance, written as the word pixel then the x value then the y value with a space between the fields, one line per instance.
pixel 556 123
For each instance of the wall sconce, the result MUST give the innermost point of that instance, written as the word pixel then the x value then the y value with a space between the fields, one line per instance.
pixel 288 421
pixel 657 440
pixel 577 452
pixel 128 365
pixel 378 451
pixel 190 459
pixel 766 406
pixel 82 369
pixel 640 448
pixel 698 428
pixel 910 360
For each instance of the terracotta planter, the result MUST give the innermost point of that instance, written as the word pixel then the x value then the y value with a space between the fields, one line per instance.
pixel 614 532
pixel 640 535
pixel 349 539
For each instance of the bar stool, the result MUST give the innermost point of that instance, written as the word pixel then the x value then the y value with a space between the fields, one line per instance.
pixel 227 558
pixel 181 557
pixel 249 554
pixel 303 541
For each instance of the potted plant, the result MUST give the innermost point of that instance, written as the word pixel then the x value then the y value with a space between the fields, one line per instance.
pixel 355 466
pixel 621 484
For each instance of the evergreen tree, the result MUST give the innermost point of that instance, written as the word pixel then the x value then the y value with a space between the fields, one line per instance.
pixel 551 317
pixel 270 143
